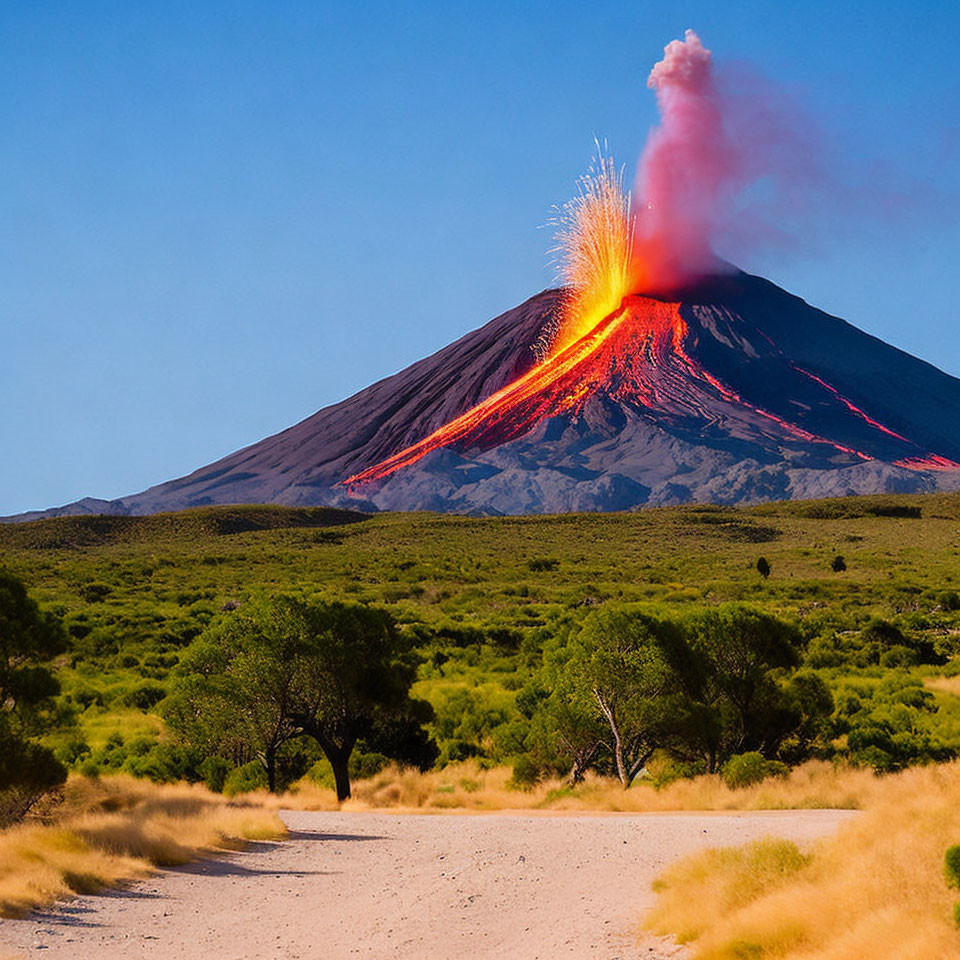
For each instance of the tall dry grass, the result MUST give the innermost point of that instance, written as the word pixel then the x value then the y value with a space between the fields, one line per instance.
pixel 468 787
pixel 114 829
pixel 874 890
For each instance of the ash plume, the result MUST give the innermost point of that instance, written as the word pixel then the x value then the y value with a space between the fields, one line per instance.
pixel 727 154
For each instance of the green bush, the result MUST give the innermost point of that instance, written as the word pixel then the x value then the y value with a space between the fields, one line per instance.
pixel 949 600
pixel 143 696
pixel 526 774
pixel 746 769
pixel 951 866
pixel 214 771
pixel 251 776
pixel 362 766
pixel 95 592
pixel 72 750
pixel 899 656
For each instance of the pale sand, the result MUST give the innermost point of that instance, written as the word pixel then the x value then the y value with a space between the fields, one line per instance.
pixel 368 886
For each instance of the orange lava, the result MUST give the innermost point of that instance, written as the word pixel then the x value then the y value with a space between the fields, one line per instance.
pixel 634 354
pixel 929 462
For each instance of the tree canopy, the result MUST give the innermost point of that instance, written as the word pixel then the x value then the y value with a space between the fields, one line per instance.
pixel 286 669
pixel 29 639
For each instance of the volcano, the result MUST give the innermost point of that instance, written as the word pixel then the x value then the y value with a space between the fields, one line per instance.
pixel 730 391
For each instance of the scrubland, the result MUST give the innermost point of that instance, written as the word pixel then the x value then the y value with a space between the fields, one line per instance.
pixel 876 889
pixel 107 831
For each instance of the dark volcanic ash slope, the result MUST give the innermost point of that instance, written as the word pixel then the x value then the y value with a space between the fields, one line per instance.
pixel 738 392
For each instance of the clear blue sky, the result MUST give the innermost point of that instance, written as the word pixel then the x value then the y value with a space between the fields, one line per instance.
pixel 216 218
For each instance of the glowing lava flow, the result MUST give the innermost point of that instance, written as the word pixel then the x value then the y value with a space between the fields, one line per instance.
pixel 504 407
pixel 636 356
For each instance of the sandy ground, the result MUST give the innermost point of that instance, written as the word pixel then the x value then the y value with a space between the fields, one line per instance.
pixel 369 886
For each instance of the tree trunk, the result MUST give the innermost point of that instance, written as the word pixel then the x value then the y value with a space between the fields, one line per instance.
pixel 611 716
pixel 340 760
pixel 270 762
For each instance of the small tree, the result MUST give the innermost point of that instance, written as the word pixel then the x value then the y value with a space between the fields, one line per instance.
pixel 733 691
pixel 354 677
pixel 763 567
pixel 838 564
pixel 287 669
pixel 624 657
pixel 29 639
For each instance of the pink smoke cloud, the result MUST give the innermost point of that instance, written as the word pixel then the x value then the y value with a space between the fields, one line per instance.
pixel 729 157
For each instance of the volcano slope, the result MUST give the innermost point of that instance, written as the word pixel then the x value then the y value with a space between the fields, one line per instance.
pixel 735 391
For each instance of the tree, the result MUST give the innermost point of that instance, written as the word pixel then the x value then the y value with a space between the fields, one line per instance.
pixel 29 639
pixel 233 691
pixel 353 678
pixel 287 669
pixel 734 696
pixel 763 567
pixel 625 659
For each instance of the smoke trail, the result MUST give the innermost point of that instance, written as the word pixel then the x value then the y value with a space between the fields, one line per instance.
pixel 728 156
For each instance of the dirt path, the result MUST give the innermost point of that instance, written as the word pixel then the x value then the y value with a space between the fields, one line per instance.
pixel 386 887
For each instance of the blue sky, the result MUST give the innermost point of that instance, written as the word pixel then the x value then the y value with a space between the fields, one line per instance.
pixel 218 218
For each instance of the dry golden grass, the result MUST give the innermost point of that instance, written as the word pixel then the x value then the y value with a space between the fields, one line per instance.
pixel 115 829
pixel 468 787
pixel 874 890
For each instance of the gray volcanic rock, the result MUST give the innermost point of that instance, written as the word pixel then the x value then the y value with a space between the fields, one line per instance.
pixel 762 397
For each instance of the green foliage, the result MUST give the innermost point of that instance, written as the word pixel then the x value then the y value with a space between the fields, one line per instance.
pixel 28 639
pixel 470 602
pixel 285 669
pixel 251 776
pixel 949 600
pixel 951 866
pixel 363 765
pixel 746 769
pixel 526 773
pixel 144 696
pixel 214 771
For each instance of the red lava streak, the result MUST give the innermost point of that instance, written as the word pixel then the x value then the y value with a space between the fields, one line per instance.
pixel 637 356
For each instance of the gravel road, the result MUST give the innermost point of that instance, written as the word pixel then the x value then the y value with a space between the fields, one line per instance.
pixel 368 886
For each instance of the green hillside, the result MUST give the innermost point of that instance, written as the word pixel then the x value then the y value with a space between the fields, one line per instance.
pixel 482 596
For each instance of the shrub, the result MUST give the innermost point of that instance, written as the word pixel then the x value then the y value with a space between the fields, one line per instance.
pixel 763 567
pixel 72 750
pixel 526 774
pixel 214 771
pixel 362 766
pixel 899 656
pixel 951 866
pixel 542 564
pixel 95 592
pixel 838 565
pixel 746 769
pixel 251 776
pixel 949 600
pixel 143 696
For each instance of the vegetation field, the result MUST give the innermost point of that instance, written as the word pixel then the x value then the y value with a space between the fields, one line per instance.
pixel 481 598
